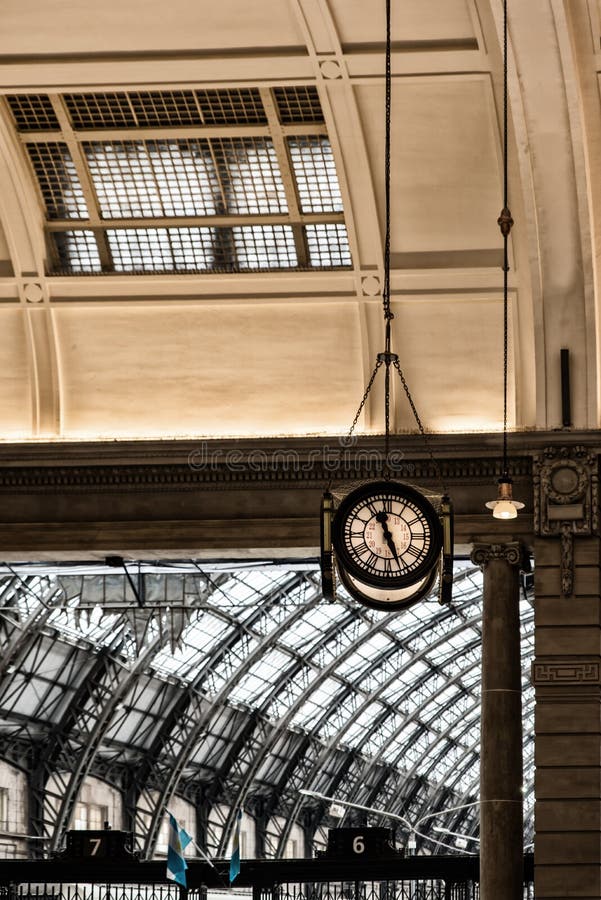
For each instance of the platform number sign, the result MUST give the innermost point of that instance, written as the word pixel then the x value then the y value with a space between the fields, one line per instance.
pixel 360 843
pixel 98 844
pixel 94 845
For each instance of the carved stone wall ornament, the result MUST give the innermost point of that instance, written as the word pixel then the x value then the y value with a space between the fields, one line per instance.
pixel 566 671
pixel 566 497
pixel 512 553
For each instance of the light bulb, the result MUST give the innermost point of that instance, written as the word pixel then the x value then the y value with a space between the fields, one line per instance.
pixel 504 509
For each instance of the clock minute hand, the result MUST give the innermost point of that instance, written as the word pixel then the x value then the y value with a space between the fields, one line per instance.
pixel 382 518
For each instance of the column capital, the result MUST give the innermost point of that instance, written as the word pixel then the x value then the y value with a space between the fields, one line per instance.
pixel 513 552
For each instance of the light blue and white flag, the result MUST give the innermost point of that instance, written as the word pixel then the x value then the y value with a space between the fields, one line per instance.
pixel 235 858
pixel 176 863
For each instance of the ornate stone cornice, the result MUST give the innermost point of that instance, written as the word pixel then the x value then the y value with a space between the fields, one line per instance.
pixel 254 468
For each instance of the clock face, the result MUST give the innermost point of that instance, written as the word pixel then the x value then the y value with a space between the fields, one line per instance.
pixel 386 535
pixel 388 598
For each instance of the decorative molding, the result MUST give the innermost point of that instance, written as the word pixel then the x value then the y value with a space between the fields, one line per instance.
pixel 568 671
pixel 371 285
pixel 511 553
pixel 566 500
pixel 215 469
pixel 331 68
pixel 33 292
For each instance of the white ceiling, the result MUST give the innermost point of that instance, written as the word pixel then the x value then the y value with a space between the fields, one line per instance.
pixel 290 353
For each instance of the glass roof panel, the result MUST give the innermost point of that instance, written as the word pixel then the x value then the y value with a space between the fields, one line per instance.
pixel 261 677
pixel 58 181
pixel 318 702
pixel 315 172
pixel 401 691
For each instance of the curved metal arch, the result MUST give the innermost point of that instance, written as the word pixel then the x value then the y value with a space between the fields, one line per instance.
pixel 47 760
pixel 470 758
pixel 173 770
pixel 191 710
pixel 377 762
pixel 468 753
pixel 91 723
pixel 24 633
pixel 456 818
pixel 94 725
pixel 298 776
pixel 256 761
pixel 471 755
pixel 444 736
pixel 460 652
pixel 335 739
pixel 269 640
pixel 425 702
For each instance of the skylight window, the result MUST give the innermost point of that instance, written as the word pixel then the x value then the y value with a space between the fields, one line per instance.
pixel 59 184
pixel 315 172
pixel 228 180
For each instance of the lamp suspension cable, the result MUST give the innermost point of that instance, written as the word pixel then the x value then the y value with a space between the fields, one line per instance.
pixel 505 507
pixel 505 222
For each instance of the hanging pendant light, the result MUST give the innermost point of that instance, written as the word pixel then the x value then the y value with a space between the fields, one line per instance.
pixel 505 507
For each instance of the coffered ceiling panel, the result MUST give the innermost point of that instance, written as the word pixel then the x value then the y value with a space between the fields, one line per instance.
pixel 446 185
pixel 413 20
pixel 209 370
pixel 63 27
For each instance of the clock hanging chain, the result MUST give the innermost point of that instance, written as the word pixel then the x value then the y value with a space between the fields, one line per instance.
pixel 388 358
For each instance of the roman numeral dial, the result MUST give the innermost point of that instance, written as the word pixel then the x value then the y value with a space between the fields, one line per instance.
pixel 386 534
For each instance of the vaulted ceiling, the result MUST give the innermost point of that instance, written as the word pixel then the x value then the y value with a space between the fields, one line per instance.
pixel 264 348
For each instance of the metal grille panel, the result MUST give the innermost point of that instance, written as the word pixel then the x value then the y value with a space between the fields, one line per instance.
pixel 33 112
pixel 298 104
pixel 166 179
pixel 238 106
pixel 152 109
pixel 265 247
pixel 415 889
pixel 77 252
pixel 136 179
pixel 328 245
pixel 100 111
pixel 249 174
pixel 315 173
pixel 202 249
pixel 58 181
pixel 165 108
pixel 162 249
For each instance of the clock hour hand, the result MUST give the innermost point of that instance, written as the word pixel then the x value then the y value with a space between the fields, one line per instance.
pixel 382 518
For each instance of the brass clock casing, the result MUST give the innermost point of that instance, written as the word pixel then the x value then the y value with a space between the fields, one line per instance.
pixel 388 598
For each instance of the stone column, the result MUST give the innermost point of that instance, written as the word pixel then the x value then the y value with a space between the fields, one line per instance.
pixel 501 775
